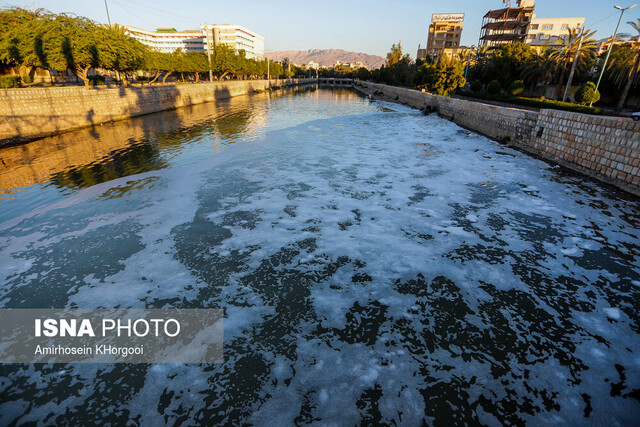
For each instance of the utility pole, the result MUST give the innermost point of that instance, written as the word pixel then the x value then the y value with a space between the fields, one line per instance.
pixel 573 67
pixel 613 40
pixel 108 18
pixel 206 34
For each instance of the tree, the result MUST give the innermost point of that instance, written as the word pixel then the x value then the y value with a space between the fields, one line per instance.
pixel 494 87
pixel 504 62
pixel 120 52
pixel 564 52
pixel 516 87
pixel 73 43
pixel 397 68
pixel 395 56
pixel 539 69
pixel 57 41
pixel 587 94
pixel 223 60
pixel 13 36
pixel 633 68
pixel 442 78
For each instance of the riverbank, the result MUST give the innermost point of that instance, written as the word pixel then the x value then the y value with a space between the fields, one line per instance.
pixel 604 148
pixel 34 113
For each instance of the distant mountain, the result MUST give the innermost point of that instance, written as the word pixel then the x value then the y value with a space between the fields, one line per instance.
pixel 326 57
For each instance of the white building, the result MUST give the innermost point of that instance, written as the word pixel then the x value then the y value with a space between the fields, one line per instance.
pixel 547 31
pixel 169 39
pixel 237 37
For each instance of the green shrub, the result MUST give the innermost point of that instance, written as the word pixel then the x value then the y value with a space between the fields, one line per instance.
pixel 476 86
pixel 516 88
pixel 9 81
pixel 587 94
pixel 535 102
pixel 96 80
pixel 494 87
pixel 27 79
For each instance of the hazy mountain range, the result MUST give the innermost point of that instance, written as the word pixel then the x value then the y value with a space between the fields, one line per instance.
pixel 326 57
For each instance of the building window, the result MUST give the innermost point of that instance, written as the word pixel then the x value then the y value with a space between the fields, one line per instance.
pixel 547 27
pixel 564 27
pixel 545 36
pixel 534 26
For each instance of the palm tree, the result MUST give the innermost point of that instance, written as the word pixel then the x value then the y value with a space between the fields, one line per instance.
pixel 633 70
pixel 540 69
pixel 565 54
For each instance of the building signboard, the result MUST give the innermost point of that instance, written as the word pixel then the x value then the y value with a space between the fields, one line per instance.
pixel 447 17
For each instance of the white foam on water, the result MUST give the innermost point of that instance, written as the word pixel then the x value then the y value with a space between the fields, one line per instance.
pixel 384 197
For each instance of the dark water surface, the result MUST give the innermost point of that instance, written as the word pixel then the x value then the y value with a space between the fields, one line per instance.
pixel 375 266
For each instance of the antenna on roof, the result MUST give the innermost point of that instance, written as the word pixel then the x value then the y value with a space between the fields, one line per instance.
pixel 507 3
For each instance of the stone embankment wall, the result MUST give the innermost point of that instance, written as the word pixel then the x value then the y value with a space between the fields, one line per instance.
pixel 605 148
pixel 30 113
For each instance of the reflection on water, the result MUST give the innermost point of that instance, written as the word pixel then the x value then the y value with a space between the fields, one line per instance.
pixel 102 153
pixel 375 265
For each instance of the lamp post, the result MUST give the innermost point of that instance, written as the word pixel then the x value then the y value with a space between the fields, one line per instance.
pixel 466 71
pixel 613 40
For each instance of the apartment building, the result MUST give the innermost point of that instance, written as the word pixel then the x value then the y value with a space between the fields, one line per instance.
pixel 548 31
pixel 445 33
pixel 170 40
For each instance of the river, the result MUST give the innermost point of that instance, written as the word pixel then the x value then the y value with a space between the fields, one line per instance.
pixel 375 265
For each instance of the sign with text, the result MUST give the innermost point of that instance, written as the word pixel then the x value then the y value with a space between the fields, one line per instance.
pixel 111 335
pixel 447 17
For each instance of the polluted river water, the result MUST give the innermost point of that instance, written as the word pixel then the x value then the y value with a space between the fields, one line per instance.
pixel 375 265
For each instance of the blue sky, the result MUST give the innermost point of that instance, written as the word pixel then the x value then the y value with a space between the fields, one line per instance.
pixel 362 26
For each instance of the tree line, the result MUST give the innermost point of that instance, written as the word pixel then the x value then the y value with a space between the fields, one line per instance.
pixel 40 39
pixel 519 69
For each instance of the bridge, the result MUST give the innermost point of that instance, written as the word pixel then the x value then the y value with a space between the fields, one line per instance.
pixel 336 82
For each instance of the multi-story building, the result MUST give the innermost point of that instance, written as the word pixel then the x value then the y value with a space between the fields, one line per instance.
pixel 170 40
pixel 445 33
pixel 548 31
pixel 520 24
pixel 507 25
pixel 237 37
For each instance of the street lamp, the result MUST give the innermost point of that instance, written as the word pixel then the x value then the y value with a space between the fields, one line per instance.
pixel 613 40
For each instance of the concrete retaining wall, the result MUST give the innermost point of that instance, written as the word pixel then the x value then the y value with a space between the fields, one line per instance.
pixel 602 147
pixel 30 113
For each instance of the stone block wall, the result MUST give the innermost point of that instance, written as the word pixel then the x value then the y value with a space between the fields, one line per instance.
pixel 605 148
pixel 30 113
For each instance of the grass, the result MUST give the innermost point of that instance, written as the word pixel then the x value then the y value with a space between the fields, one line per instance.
pixel 534 102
